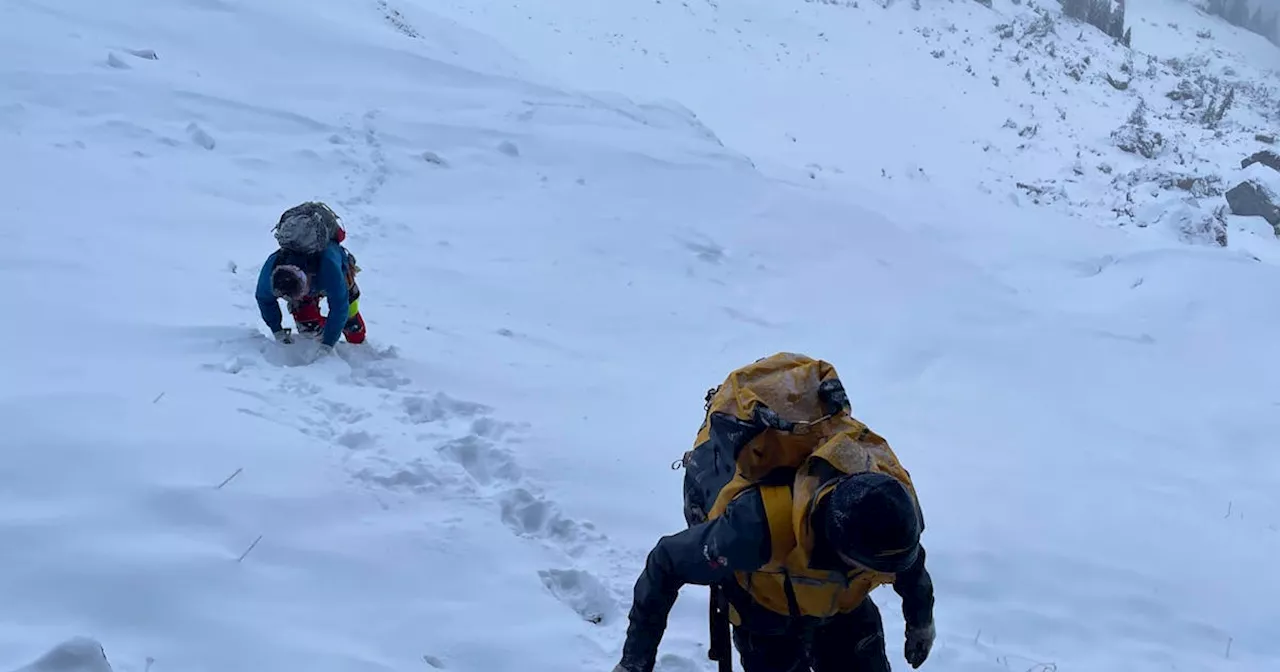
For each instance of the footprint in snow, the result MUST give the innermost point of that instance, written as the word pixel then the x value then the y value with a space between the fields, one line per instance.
pixel 490 428
pixel 486 461
pixel 384 377
pixel 479 457
pixel 415 475
pixel 531 515
pixel 479 450
pixel 318 432
pixel 357 440
pixel 344 413
pixel 421 410
pixel 582 592
pixel 296 386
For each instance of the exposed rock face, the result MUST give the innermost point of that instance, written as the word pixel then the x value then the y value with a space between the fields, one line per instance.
pixel 1251 199
pixel 1266 157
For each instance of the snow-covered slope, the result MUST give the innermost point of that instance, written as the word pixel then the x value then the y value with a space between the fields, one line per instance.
pixel 552 278
pixel 1014 100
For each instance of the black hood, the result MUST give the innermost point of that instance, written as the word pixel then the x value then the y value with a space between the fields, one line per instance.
pixel 871 518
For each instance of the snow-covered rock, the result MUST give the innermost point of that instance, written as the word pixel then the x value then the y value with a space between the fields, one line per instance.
pixel 1253 199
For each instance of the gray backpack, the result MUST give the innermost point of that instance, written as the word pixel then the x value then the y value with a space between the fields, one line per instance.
pixel 307 228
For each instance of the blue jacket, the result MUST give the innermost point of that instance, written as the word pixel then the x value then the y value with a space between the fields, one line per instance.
pixel 330 280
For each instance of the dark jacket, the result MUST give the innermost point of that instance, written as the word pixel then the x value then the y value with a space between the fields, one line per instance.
pixel 710 553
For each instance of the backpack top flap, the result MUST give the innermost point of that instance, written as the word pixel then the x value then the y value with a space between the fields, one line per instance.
pixel 307 228
pixel 770 414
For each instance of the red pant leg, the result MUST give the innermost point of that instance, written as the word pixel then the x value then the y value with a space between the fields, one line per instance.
pixel 306 315
pixel 354 329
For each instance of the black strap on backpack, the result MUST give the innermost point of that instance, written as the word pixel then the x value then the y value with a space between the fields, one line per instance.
pixel 721 649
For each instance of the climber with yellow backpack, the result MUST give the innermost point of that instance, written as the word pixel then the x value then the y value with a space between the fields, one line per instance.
pixel 796 511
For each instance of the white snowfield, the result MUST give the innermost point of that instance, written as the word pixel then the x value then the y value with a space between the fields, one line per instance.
pixel 552 279
pixel 1014 101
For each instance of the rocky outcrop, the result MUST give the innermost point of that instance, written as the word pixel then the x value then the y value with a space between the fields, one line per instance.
pixel 1266 157
pixel 1253 199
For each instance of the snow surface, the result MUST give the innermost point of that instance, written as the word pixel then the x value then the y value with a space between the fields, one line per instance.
pixel 1013 101
pixel 558 261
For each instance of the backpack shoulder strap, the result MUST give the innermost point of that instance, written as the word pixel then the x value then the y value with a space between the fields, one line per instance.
pixel 777 511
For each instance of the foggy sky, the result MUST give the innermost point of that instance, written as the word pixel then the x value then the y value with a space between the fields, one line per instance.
pixel 1270 8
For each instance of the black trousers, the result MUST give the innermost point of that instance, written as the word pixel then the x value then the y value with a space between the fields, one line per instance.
pixel 852 642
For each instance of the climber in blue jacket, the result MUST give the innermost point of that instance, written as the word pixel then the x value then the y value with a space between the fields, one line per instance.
pixel 302 278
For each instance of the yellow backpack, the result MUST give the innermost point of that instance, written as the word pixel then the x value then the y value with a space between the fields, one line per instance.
pixel 761 425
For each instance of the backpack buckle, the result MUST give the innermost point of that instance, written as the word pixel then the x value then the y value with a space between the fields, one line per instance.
pixel 805 427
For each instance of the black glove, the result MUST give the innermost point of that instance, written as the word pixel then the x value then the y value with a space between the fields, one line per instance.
pixel 919 642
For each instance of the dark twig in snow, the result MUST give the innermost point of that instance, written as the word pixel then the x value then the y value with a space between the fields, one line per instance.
pixel 251 547
pixel 158 397
pixel 233 475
